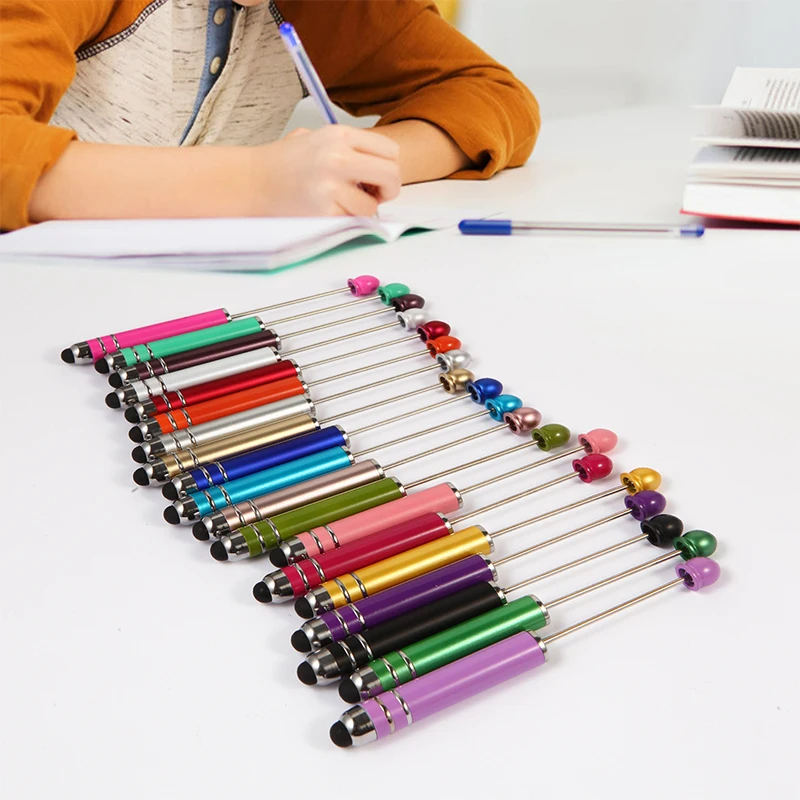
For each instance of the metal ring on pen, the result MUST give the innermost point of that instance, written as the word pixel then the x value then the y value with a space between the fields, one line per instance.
pixel 392 672
pixel 361 586
pixel 341 621
pixel 318 568
pixel 344 589
pixel 386 713
pixel 407 662
pixel 332 535
pixel 403 705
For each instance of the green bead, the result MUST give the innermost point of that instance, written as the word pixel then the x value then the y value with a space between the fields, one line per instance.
pixel 426 655
pixel 696 543
pixel 391 290
pixel 548 437
pixel 298 520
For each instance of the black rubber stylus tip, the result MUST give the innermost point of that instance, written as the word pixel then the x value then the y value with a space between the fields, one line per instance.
pixel 172 516
pixel 339 734
pixel 101 366
pixel 132 415
pixel 278 557
pixel 141 477
pixel 262 593
pixel 135 434
pixel 303 608
pixel 169 491
pixel 67 356
pixel 306 674
pixel 115 380
pixel 348 691
pixel 200 532
pixel 300 642
pixel 218 551
pixel 138 455
pixel 112 401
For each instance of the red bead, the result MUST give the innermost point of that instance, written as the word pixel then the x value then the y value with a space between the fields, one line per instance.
pixel 592 467
pixel 433 329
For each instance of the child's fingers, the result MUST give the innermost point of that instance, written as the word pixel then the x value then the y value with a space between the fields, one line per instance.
pixel 355 202
pixel 373 144
pixel 297 132
pixel 379 173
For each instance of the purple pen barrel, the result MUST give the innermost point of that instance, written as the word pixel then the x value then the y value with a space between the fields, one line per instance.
pixel 423 697
pixel 333 626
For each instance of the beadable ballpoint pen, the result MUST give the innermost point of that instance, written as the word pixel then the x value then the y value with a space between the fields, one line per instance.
pixel 507 227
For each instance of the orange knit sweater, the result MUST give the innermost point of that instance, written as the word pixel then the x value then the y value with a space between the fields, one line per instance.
pixel 395 58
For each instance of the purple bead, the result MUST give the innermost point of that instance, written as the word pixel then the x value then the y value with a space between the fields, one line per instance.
pixel 697 573
pixel 646 504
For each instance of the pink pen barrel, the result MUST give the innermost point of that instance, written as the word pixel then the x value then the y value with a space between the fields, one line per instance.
pixel 104 345
pixel 448 685
pixel 441 499
pixel 311 572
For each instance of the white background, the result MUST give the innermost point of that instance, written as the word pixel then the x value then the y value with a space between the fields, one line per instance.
pixel 135 666
pixel 584 55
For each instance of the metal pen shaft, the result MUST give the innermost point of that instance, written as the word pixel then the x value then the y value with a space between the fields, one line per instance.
pixel 460 467
pixel 513 497
pixel 416 435
pixel 378 403
pixel 653 562
pixel 340 338
pixel 603 614
pixel 382 381
pixel 555 539
pixel 560 510
pixel 293 303
pixel 326 309
pixel 412 338
pixel 576 563
pixel 342 322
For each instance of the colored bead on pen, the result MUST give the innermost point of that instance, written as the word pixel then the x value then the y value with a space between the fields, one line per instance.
pixel 391 711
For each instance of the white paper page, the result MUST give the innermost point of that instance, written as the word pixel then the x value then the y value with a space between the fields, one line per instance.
pixel 764 89
pixel 746 141
pixel 745 162
pixel 255 243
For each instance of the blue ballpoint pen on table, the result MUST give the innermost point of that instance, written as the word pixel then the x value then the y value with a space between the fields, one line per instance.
pixel 507 227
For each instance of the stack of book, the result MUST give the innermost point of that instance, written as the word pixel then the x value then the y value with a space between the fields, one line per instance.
pixel 749 168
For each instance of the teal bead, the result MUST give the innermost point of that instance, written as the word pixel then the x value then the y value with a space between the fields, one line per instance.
pixel 391 290
pixel 503 404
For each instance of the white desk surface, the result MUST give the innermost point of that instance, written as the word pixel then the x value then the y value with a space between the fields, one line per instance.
pixel 135 666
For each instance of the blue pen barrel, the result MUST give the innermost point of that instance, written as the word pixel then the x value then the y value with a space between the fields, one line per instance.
pixel 486 227
pixel 270 480
pixel 230 469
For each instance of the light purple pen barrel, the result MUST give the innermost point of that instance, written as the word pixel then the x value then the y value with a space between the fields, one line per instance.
pixel 332 626
pixel 423 697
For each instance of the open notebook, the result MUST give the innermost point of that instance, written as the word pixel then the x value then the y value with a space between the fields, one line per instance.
pixel 750 167
pixel 235 244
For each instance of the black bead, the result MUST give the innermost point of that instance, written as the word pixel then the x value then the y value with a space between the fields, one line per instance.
pixel 662 530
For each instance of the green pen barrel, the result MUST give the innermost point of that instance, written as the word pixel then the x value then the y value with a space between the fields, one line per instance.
pixel 281 527
pixel 426 655
pixel 189 341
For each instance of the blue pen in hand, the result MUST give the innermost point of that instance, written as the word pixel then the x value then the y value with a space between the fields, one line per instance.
pixel 311 80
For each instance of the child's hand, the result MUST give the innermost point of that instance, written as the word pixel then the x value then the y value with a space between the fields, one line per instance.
pixel 336 170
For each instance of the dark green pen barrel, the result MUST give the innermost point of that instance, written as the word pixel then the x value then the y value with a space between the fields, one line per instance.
pixel 525 614
pixel 283 526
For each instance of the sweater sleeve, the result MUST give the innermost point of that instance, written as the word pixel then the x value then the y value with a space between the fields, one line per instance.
pixel 38 40
pixel 399 59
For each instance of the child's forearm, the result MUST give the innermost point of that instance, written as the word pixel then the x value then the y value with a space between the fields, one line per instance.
pixel 92 181
pixel 426 151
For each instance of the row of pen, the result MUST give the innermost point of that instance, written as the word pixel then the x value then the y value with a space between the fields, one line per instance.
pixel 403 600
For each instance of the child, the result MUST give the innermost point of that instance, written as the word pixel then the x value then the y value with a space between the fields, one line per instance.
pixel 102 102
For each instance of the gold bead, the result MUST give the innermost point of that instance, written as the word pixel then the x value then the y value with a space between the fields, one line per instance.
pixel 640 479
pixel 456 380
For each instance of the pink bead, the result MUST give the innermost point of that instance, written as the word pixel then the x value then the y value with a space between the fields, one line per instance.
pixel 598 440
pixel 363 285
pixel 697 573
pixel 523 420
